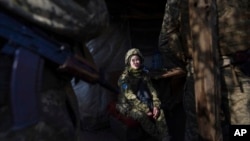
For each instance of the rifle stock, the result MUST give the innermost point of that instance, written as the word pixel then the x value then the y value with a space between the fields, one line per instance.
pixel 86 71
pixel 81 68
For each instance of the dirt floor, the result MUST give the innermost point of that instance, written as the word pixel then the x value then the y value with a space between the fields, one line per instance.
pixel 101 135
pixel 106 135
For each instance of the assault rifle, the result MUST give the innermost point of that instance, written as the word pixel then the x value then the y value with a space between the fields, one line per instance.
pixel 28 46
pixel 20 36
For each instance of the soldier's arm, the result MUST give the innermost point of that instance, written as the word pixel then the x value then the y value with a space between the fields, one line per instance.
pixel 156 101
pixel 135 102
pixel 123 81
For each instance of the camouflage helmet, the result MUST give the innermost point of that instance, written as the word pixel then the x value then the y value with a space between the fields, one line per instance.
pixel 133 51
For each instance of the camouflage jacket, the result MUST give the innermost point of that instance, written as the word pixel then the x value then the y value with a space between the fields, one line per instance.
pixel 233 25
pixel 129 98
pixel 71 18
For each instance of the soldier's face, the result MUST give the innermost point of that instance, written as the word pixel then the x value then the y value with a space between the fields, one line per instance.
pixel 135 62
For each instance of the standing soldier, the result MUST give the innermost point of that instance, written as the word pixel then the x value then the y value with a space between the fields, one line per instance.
pixel 40 45
pixel 176 46
pixel 176 56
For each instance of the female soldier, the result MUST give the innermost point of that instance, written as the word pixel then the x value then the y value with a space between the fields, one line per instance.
pixel 139 99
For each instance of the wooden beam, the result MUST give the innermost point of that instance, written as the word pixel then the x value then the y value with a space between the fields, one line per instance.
pixel 203 25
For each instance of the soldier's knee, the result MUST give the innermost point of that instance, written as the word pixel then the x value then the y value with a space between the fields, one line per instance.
pixel 136 114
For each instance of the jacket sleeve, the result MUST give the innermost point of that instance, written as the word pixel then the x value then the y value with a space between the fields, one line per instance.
pixel 130 96
pixel 156 101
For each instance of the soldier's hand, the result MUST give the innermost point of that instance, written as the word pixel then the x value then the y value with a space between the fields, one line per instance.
pixel 156 112
pixel 149 113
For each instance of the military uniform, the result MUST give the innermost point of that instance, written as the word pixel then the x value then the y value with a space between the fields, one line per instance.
pixel 132 103
pixel 177 50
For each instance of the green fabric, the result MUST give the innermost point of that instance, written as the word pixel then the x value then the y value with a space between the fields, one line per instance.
pixel 132 77
pixel 137 73
pixel 129 105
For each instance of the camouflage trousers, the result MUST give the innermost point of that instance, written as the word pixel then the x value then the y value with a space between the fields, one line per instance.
pixel 235 100
pixel 236 97
pixel 156 128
